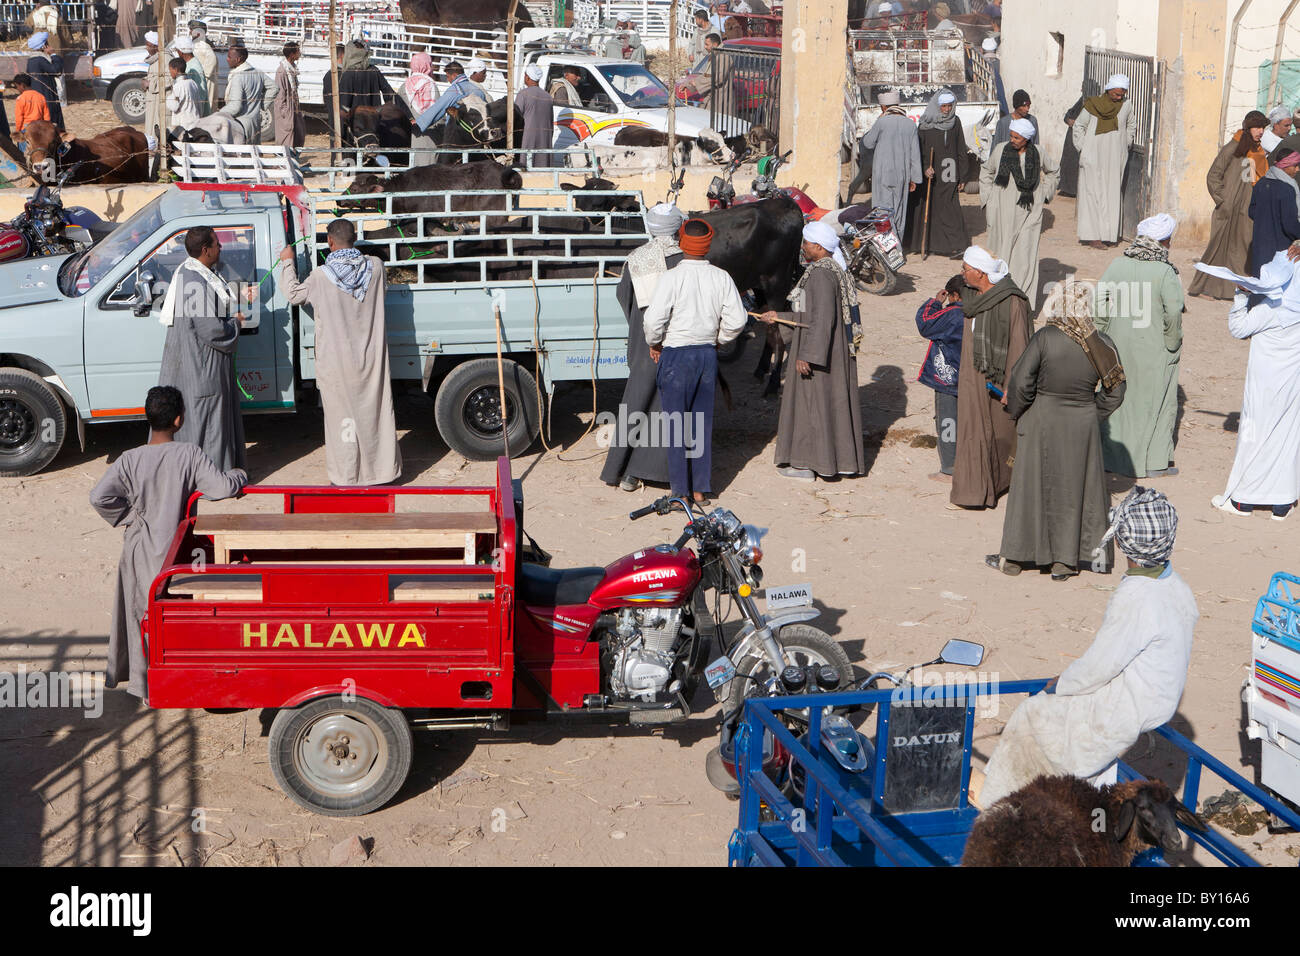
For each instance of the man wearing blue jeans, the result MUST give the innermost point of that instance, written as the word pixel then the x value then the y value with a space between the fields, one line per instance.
pixel 696 308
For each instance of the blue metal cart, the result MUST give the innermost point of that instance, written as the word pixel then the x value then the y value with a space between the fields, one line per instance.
pixel 902 811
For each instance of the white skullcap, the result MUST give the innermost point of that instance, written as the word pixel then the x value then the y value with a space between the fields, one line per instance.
pixel 1278 113
pixel 989 45
pixel 475 65
pixel 888 98
pixel 1023 127
pixel 947 96
pixel 1117 82
pixel 1157 227
pixel 885 8
pixel 533 72
pixel 151 37
pixel 979 259
pixel 183 44
pixel 822 235
pixel 664 219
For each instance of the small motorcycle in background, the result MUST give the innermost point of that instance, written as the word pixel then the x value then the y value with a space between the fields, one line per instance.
pixel 46 228
pixel 873 251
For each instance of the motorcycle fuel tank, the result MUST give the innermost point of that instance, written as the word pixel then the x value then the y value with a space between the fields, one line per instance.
pixel 13 245
pixel 656 576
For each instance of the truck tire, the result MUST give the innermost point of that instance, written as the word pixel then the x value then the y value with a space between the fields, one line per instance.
pixel 128 100
pixel 33 423
pixel 340 758
pixel 467 409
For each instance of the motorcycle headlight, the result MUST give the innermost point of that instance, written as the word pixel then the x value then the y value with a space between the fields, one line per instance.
pixel 749 546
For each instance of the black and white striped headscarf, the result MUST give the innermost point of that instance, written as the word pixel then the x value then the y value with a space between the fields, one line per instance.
pixel 1143 525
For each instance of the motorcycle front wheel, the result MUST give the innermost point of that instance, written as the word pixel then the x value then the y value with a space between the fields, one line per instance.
pixel 870 273
pixel 805 645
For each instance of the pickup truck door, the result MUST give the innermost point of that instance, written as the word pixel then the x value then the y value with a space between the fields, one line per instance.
pixel 597 112
pixel 124 351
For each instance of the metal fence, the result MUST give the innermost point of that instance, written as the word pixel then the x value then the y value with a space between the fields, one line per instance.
pixel 746 85
pixel 1145 88
pixel 266 25
pixel 334 167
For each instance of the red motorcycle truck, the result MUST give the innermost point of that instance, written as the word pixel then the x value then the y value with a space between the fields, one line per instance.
pixel 358 613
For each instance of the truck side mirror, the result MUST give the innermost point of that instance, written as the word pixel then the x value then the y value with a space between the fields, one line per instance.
pixel 143 302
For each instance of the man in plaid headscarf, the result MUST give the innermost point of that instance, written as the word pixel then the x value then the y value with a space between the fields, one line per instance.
pixel 1127 683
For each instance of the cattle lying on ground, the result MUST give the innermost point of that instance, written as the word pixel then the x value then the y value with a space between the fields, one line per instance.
pixel 119 156
pixel 463 177
pixel 601 204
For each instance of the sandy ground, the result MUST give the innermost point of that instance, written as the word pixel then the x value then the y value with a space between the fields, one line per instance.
pixel 895 572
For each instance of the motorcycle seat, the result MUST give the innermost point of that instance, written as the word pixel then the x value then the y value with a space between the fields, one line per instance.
pixel 547 587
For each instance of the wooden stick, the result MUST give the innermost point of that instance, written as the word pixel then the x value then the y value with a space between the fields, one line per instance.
pixel 671 140
pixel 336 134
pixel 501 382
pixel 929 191
pixel 780 321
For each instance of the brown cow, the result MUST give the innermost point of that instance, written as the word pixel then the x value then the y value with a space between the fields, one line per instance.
pixel 119 156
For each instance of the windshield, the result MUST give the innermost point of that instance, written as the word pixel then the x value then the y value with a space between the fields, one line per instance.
pixel 80 273
pixel 636 86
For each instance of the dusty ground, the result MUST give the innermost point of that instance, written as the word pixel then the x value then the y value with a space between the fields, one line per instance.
pixel 896 572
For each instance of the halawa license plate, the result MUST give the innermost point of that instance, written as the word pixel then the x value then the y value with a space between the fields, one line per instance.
pixel 794 595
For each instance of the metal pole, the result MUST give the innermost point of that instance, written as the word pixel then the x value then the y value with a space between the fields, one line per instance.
pixel 672 81
pixel 336 134
pixel 1232 58
pixel 510 81
pixel 164 28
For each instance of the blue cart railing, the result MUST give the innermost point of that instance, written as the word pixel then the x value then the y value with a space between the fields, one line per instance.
pixel 846 819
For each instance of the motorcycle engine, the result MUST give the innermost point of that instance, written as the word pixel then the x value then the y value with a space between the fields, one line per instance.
pixel 640 652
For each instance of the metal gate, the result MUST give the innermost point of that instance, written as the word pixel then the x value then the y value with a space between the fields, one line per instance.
pixel 746 85
pixel 1146 81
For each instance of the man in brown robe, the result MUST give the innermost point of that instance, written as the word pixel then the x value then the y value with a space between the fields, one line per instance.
pixel 290 129
pixel 997 331
pixel 1231 179
pixel 819 432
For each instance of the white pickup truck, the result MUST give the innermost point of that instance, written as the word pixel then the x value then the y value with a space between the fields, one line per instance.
pixel 614 93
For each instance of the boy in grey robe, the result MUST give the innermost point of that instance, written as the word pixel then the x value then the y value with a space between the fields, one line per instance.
pixel 146 490
pixel 346 296
pixel 199 352
pixel 538 108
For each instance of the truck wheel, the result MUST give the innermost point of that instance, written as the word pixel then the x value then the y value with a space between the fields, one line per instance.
pixel 467 409
pixel 128 101
pixel 33 423
pixel 340 758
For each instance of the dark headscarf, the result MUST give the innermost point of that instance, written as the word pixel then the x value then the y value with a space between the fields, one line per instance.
pixel 1018 99
pixel 1254 120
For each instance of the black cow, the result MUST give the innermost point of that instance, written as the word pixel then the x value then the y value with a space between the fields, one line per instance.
pixel 601 203
pixel 472 128
pixel 484 174
pixel 378 128
pixel 758 244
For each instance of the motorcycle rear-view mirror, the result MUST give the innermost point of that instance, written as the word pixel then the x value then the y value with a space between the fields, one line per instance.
pixel 962 653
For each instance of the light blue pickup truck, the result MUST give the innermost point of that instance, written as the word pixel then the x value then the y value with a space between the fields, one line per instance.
pixel 80 339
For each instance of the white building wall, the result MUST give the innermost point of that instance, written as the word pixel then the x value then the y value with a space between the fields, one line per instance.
pixel 1030 53
pixel 1257 35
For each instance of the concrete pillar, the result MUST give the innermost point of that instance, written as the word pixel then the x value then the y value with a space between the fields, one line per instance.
pixel 1190 41
pixel 813 55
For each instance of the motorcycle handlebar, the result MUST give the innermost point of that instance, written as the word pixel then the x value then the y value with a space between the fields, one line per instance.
pixel 681 542
pixel 642 512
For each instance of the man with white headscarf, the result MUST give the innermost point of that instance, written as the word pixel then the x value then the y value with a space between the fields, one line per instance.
pixel 462 85
pixel 1140 306
pixel 155 92
pixel 1103 134
pixel 1056 511
pixel 207 60
pixel 632 457
pixel 819 433
pixel 183 46
pixel 943 153
pixel 1280 122
pixel 996 333
pixel 1266 469
pixel 538 108
pixel 895 160
pixel 1128 682
pixel 1016 181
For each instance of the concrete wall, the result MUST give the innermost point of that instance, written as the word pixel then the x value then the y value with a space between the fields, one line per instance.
pixel 813 73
